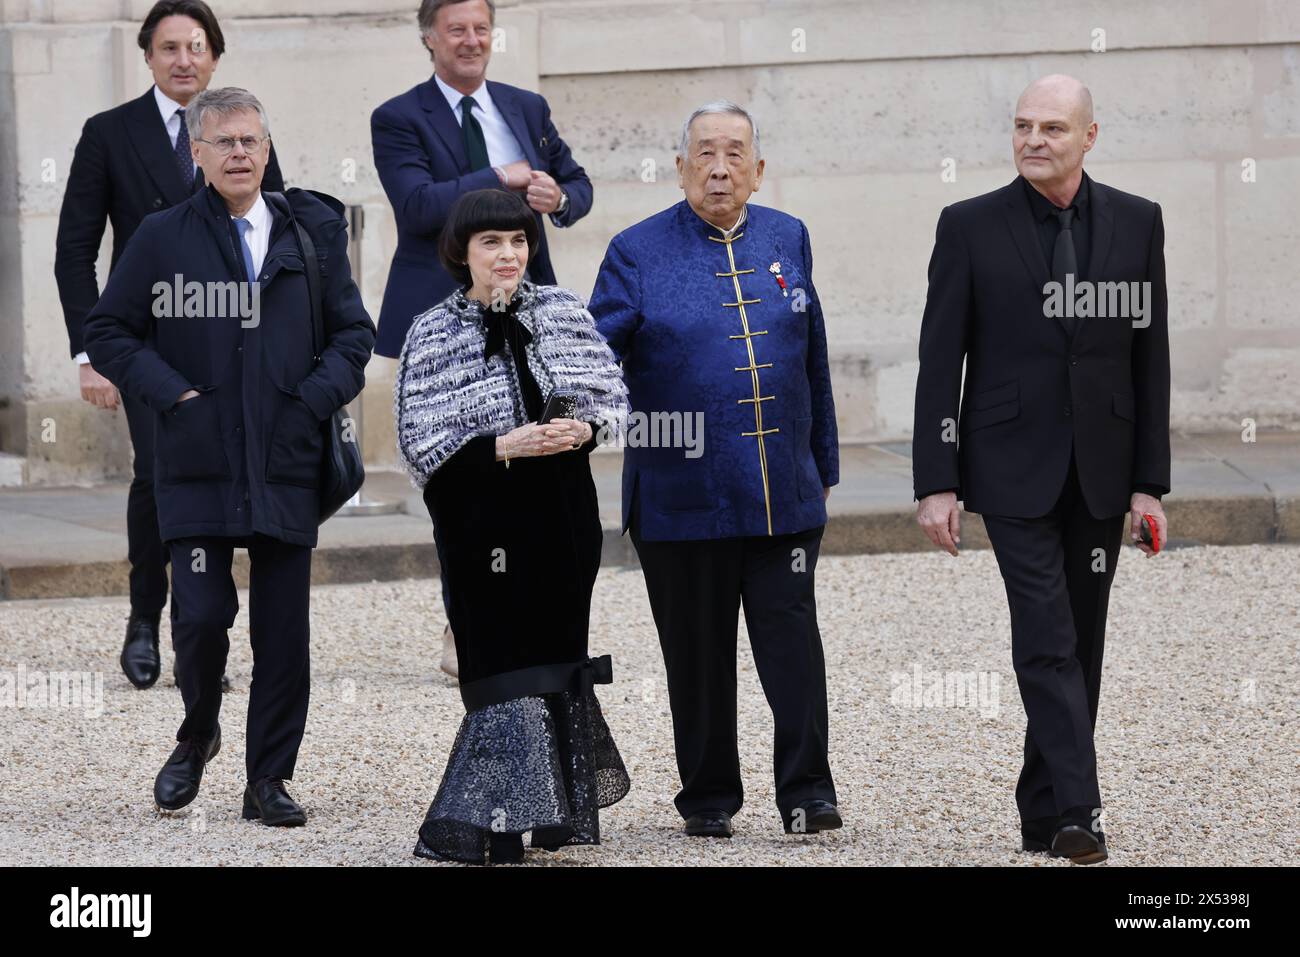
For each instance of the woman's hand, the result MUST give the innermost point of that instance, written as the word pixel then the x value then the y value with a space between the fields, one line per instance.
pixel 532 440
pixel 575 433
pixel 558 435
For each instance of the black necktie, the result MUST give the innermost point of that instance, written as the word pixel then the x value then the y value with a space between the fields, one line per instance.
pixel 184 161
pixel 475 144
pixel 1064 260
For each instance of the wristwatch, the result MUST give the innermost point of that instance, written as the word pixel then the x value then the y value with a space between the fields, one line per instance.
pixel 564 203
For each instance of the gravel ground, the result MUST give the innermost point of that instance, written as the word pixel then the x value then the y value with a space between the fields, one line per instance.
pixel 1197 733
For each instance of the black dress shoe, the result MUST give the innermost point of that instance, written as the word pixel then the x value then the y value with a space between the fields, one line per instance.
pixel 1076 838
pixel 709 824
pixel 268 800
pixel 177 783
pixel 139 658
pixel 551 837
pixel 1036 834
pixel 817 816
pixel 176 679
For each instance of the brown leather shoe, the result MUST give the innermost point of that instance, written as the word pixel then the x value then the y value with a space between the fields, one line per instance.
pixel 1079 837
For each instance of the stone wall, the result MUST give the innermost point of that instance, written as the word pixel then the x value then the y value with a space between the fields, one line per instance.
pixel 861 106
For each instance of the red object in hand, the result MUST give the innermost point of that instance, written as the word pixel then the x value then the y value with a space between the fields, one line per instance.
pixel 1151 533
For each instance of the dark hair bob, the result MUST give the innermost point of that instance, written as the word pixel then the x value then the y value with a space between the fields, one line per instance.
pixel 478 211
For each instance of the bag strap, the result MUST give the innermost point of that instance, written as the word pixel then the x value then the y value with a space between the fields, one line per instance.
pixel 312 267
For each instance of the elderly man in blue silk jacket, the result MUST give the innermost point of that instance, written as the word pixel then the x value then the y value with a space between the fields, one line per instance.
pixel 710 307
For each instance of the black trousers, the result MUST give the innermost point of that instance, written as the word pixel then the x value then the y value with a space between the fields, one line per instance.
pixel 696 589
pixel 1058 571
pixel 144 548
pixel 203 611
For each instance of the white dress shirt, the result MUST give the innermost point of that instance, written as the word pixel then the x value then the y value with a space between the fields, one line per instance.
pixel 502 147
pixel 740 221
pixel 729 233
pixel 167 108
pixel 259 236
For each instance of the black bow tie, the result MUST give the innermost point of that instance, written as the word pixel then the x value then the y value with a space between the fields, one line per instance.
pixel 500 323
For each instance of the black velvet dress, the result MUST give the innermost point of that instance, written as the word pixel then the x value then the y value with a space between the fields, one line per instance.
pixel 521 547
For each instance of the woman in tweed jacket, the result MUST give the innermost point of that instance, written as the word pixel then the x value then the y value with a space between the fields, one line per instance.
pixel 516 510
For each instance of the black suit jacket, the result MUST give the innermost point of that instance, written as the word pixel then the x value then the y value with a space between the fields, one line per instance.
pixel 1033 392
pixel 124 168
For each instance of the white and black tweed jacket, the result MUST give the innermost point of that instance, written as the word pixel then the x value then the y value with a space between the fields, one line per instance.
pixel 445 394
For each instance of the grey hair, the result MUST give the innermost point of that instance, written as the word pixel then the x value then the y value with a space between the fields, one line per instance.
pixel 222 102
pixel 429 12
pixel 716 107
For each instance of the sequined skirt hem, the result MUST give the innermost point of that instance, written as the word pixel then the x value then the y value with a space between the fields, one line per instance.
pixel 543 764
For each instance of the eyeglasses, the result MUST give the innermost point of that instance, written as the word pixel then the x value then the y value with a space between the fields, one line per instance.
pixel 225 144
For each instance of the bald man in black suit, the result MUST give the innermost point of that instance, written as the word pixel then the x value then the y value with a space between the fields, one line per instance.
pixel 1061 429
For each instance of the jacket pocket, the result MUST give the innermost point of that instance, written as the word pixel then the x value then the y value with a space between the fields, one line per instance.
pixel 1123 406
pixel 286 263
pixel 190 445
pixel 807 479
pixel 680 489
pixel 991 397
pixel 294 455
pixel 992 406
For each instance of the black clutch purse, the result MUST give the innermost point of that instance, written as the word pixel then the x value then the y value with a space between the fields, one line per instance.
pixel 561 405
pixel 342 471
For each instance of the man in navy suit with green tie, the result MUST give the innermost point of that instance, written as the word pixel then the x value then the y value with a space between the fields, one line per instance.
pixel 456 132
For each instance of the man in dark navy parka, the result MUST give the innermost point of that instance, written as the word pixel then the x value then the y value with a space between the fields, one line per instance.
pixel 207 320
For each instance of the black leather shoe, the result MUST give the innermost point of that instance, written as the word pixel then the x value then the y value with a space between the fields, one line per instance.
pixel 176 679
pixel 1076 838
pixel 1036 834
pixel 709 824
pixel 177 783
pixel 139 658
pixel 817 816
pixel 268 800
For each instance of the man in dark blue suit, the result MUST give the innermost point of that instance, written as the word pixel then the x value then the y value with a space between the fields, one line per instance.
pixel 427 154
pixel 207 321
pixel 131 161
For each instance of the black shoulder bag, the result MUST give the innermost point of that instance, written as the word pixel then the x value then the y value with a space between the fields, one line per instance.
pixel 342 471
